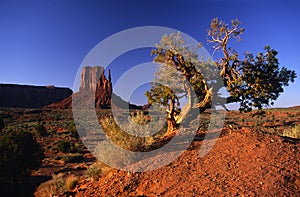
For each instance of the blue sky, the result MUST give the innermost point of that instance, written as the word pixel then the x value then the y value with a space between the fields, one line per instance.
pixel 44 42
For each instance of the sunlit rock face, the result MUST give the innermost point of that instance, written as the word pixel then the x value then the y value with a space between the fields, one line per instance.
pixel 93 77
pixel 95 91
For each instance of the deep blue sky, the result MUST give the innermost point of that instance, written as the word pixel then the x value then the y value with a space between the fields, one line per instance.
pixel 44 42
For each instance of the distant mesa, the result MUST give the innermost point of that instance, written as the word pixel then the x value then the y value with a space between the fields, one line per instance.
pixel 29 96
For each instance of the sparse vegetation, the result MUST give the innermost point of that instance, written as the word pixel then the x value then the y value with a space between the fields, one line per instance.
pixel 63 146
pixel 2 125
pixel 72 129
pixel 19 155
pixel 271 122
pixel 53 187
pixel 94 171
pixel 126 140
pixel 39 130
pixel 58 181
pixel 72 158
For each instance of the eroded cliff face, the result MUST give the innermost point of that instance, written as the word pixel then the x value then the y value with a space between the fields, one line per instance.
pixel 27 96
pixel 95 92
pixel 103 91
pixel 91 78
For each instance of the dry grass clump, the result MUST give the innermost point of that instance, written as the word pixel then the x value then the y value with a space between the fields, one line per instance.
pixel 51 187
pixel 97 170
pixel 57 186
pixel 71 182
pixel 292 133
pixel 94 172
pixel 135 134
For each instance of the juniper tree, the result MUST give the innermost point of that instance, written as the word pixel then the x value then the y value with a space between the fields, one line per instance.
pixel 252 81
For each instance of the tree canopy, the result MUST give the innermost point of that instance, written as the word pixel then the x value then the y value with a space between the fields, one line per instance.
pixel 254 81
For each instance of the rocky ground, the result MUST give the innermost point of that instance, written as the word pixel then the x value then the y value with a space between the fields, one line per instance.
pixel 251 158
pixel 241 163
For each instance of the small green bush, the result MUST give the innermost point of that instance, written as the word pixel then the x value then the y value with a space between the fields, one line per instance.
pixel 72 158
pixel 19 155
pixel 58 181
pixel 94 171
pixel 78 147
pixel 138 124
pixel 127 141
pixel 63 146
pixel 72 129
pixel 39 130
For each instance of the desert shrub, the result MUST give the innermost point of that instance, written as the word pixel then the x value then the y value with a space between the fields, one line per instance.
pixel 2 125
pixel 58 181
pixel 10 129
pixel 78 147
pixel 293 132
pixel 126 140
pixel 63 146
pixel 139 118
pixel 39 130
pixel 97 170
pixel 114 157
pixel 71 182
pixel 94 171
pixel 118 136
pixel 52 187
pixel 19 155
pixel 57 117
pixel 72 158
pixel 72 129
pixel 46 189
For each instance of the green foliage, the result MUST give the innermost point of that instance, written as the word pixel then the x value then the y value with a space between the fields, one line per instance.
pixel 78 147
pixel 180 67
pixel 63 146
pixel 124 139
pixel 19 154
pixel 97 170
pixel 58 181
pixel 261 80
pixel 72 158
pixel 39 130
pixel 72 129
pixel 253 81
pixel 94 171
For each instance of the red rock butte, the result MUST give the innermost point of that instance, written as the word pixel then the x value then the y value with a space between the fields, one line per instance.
pixel 94 81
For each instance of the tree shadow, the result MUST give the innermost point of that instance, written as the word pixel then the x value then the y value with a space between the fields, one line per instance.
pixel 26 189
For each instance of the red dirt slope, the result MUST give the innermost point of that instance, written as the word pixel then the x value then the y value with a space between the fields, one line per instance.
pixel 243 163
